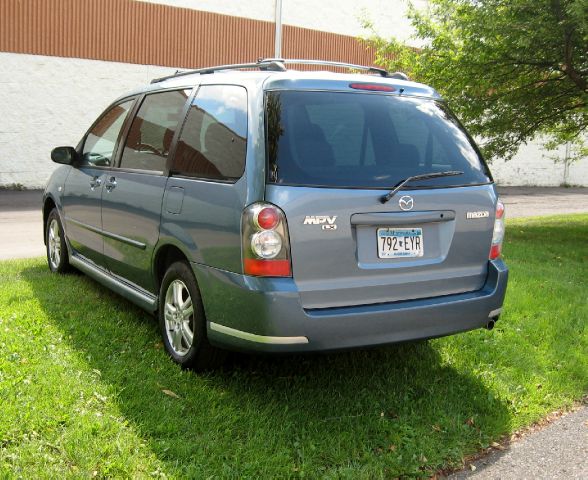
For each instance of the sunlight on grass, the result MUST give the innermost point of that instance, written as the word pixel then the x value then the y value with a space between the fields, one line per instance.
pixel 83 374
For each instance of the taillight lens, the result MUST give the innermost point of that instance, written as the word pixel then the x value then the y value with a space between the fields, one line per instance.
pixel 266 247
pixel 266 244
pixel 498 233
pixel 268 218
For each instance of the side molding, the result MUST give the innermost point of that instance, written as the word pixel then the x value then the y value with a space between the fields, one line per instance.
pixel 99 231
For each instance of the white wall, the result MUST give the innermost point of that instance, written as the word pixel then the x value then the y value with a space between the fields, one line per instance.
pixel 51 101
pixel 535 166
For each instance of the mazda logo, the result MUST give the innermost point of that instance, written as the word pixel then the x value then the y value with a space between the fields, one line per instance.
pixel 406 202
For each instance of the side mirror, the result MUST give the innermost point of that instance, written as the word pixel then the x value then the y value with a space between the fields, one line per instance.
pixel 64 155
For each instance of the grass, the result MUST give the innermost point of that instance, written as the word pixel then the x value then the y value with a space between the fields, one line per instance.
pixel 87 391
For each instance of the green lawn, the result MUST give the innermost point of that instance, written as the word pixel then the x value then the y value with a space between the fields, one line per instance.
pixel 83 381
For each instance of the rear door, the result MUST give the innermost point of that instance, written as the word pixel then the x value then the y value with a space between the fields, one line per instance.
pixel 333 156
pixel 133 191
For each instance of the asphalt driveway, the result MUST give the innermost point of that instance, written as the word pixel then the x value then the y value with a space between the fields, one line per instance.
pixel 21 224
pixel 536 201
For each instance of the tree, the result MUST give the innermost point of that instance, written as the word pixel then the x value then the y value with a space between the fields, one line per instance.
pixel 512 70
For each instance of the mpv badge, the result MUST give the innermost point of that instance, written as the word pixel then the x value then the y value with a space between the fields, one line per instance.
pixel 406 203
pixel 326 222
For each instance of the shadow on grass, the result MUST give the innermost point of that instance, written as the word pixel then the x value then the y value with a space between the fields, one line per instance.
pixel 377 413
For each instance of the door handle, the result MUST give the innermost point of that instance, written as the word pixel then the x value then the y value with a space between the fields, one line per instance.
pixel 95 182
pixel 110 184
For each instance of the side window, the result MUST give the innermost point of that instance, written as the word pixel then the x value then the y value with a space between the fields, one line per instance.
pixel 151 133
pixel 100 142
pixel 213 142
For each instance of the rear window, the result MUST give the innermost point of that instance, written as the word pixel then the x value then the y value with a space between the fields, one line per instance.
pixel 363 140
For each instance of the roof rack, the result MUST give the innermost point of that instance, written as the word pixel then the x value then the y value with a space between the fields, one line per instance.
pixel 380 71
pixel 299 61
pixel 261 64
pixel 278 65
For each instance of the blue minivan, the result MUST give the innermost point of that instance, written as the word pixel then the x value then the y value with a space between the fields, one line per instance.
pixel 259 208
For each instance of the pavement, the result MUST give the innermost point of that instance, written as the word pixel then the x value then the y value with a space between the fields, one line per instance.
pixel 535 201
pixel 21 224
pixel 559 451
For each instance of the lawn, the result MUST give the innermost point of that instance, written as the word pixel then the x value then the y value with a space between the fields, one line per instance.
pixel 86 389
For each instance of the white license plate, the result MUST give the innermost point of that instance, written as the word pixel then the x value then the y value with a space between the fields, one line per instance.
pixel 400 242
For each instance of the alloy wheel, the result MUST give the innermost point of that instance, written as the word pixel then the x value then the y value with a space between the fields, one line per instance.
pixel 178 316
pixel 54 244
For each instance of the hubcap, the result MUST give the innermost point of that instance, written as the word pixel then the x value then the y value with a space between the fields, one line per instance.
pixel 178 315
pixel 54 244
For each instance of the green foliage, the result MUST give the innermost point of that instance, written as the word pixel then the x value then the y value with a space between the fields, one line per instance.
pixel 511 69
pixel 86 390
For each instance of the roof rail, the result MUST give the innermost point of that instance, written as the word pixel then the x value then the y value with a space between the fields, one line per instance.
pixel 261 64
pixel 278 64
pixel 300 61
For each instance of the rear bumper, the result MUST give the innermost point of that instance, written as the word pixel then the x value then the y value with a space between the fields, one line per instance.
pixel 265 314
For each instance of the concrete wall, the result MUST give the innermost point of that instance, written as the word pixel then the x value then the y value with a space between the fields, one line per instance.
pixel 51 101
pixel 535 166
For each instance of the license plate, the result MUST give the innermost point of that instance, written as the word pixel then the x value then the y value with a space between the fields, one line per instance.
pixel 400 242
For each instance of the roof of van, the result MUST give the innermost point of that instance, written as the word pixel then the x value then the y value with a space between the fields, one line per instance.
pixel 290 80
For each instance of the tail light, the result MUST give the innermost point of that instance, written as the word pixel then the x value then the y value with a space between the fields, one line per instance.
pixel 374 87
pixel 265 243
pixel 498 234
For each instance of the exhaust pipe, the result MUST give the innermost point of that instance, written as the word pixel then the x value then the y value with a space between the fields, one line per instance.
pixel 490 324
pixel 493 316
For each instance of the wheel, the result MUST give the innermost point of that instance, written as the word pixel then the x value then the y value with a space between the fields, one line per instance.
pixel 57 256
pixel 182 321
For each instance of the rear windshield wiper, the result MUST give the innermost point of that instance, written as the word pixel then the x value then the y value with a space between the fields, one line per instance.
pixel 425 176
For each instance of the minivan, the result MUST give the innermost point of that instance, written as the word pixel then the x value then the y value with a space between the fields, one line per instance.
pixel 255 207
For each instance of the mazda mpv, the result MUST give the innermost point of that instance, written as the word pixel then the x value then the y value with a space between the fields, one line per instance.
pixel 259 208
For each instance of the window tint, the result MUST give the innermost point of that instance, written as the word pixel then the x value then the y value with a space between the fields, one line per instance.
pixel 365 141
pixel 152 131
pixel 100 142
pixel 214 138
pixel 346 139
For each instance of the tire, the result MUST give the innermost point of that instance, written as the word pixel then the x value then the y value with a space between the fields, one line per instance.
pixel 182 321
pixel 56 246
